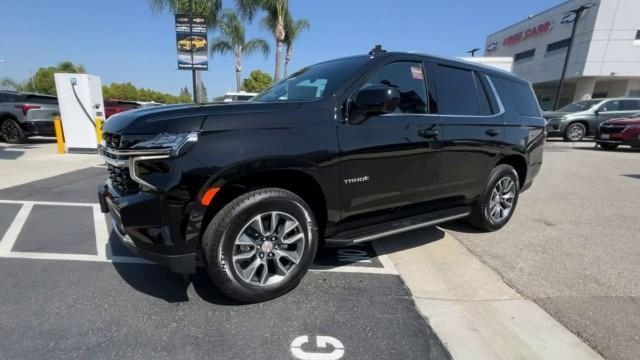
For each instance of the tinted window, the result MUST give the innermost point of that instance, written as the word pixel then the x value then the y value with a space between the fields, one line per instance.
pixel 484 100
pixel 580 106
pixel 460 92
pixel 558 45
pixel 408 78
pixel 525 55
pixel 313 82
pixel 42 99
pixel 611 106
pixel 638 35
pixel 517 95
pixel 8 97
pixel 628 105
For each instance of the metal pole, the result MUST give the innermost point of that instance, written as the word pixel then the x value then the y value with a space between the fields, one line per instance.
pixel 193 71
pixel 556 102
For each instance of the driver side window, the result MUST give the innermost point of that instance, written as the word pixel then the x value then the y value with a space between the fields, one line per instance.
pixel 408 78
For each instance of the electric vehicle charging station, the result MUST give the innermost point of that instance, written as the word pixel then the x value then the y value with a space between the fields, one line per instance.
pixel 81 109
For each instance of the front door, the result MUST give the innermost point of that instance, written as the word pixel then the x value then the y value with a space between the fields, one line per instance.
pixel 391 161
pixel 614 109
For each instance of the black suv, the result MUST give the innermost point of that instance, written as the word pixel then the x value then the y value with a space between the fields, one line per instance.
pixel 341 152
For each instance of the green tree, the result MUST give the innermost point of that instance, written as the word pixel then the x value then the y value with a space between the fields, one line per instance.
pixel 207 8
pixel 128 91
pixel 257 81
pixel 276 12
pixel 9 84
pixel 233 40
pixel 185 93
pixel 293 28
pixel 43 81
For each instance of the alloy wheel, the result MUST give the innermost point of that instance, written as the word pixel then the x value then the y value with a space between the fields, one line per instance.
pixel 575 132
pixel 502 197
pixel 268 248
pixel 10 131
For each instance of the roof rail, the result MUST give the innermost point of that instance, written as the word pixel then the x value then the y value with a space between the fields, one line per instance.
pixel 377 50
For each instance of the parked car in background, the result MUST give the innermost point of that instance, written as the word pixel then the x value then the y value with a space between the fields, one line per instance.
pixel 615 132
pixel 339 153
pixel 25 114
pixel 575 121
pixel 112 107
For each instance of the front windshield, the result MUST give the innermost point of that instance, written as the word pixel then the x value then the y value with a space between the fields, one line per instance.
pixel 580 106
pixel 312 82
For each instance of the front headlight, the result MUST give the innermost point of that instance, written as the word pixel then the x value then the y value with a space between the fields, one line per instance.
pixel 178 143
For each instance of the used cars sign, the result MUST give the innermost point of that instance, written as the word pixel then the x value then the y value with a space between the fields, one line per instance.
pixel 191 42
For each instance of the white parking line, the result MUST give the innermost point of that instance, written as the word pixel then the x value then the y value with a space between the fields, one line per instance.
pixel 103 247
pixel 10 237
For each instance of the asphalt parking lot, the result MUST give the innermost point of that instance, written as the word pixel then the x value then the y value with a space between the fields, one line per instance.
pixel 71 290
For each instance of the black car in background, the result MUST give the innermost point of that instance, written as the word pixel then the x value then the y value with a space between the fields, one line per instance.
pixel 341 152
pixel 26 114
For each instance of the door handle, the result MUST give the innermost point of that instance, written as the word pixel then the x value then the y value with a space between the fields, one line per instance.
pixel 429 133
pixel 492 132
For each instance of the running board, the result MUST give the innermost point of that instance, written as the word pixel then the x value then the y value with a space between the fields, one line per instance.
pixel 381 230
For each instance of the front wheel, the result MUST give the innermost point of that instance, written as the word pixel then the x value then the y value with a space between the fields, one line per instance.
pixel 575 132
pixel 498 201
pixel 260 245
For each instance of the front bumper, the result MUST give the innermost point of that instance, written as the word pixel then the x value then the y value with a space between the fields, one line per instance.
pixel 141 222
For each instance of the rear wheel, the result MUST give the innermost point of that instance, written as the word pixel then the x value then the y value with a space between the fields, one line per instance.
pixel 608 146
pixel 11 132
pixel 497 203
pixel 575 132
pixel 260 245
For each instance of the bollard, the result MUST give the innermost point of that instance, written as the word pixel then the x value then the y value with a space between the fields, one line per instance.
pixel 99 128
pixel 57 124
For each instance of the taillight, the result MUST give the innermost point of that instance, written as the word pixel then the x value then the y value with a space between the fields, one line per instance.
pixel 25 108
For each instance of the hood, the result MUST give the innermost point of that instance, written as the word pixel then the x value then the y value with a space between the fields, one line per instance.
pixel 184 118
pixel 623 121
pixel 554 114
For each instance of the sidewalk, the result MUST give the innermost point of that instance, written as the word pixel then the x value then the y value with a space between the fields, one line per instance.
pixel 474 313
pixel 38 160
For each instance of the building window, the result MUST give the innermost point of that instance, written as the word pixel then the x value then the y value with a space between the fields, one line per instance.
pixel 638 35
pixel 558 45
pixel 524 55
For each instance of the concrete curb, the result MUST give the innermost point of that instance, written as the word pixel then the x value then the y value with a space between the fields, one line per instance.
pixel 475 314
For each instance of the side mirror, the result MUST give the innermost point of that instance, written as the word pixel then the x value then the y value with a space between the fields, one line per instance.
pixel 374 100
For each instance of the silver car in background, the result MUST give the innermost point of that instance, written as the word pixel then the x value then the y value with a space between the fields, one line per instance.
pixel 25 114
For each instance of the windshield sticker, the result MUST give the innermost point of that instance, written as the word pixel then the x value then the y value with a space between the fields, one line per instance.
pixel 416 73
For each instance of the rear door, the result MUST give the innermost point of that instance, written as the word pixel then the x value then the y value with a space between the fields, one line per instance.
pixel 612 109
pixel 391 161
pixel 473 129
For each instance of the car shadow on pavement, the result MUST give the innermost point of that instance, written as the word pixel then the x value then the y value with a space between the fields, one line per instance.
pixel 411 239
pixel 461 226
pixel 156 281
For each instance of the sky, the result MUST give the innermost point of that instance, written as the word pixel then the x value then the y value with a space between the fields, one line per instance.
pixel 124 40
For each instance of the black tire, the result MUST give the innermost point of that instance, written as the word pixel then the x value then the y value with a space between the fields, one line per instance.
pixel 11 132
pixel 605 146
pixel 218 243
pixel 575 132
pixel 480 217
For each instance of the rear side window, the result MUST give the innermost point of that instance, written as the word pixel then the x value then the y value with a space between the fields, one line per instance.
pixel 519 95
pixel 8 98
pixel 461 92
pixel 42 99
pixel 408 78
pixel 629 105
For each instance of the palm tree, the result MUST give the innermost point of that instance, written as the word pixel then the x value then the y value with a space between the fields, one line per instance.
pixel 293 28
pixel 208 8
pixel 276 14
pixel 232 40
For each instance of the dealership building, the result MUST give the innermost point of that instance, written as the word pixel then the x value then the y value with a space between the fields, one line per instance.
pixel 604 62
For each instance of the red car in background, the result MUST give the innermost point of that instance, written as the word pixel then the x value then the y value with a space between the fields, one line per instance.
pixel 615 132
pixel 112 107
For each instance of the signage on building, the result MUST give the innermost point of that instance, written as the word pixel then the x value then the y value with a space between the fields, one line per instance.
pixel 492 46
pixel 191 42
pixel 534 31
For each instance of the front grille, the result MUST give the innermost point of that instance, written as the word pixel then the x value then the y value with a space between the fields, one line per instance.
pixel 611 129
pixel 121 180
pixel 112 140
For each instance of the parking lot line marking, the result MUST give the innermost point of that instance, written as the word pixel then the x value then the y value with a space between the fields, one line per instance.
pixel 73 257
pixel 54 203
pixel 102 234
pixel 10 237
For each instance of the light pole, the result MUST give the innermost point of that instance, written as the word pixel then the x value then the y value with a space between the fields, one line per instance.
pixel 473 52
pixel 578 13
pixel 193 70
